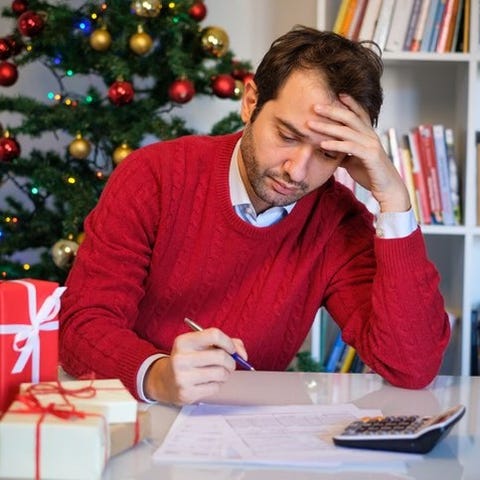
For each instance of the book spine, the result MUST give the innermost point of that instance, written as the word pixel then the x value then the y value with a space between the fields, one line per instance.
pixel 412 24
pixel 427 34
pixel 420 27
pixel 444 26
pixel 335 354
pixel 398 30
pixel 419 177
pixel 369 20
pixel 443 173
pixel 436 25
pixel 383 23
pixel 427 154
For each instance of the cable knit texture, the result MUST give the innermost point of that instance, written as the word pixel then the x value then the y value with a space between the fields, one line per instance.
pixel 164 243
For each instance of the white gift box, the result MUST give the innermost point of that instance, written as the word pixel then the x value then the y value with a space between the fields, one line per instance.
pixel 43 443
pixel 107 396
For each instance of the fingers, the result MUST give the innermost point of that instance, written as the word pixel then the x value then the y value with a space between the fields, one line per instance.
pixel 199 364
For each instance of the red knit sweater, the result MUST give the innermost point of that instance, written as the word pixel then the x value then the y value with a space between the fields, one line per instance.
pixel 164 243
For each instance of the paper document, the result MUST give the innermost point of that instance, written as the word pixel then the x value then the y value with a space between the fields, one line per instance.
pixel 295 435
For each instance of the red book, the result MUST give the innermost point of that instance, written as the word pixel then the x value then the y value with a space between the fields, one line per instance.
pixel 28 334
pixel 429 163
pixel 419 178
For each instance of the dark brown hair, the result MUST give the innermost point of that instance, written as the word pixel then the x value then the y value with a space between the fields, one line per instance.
pixel 349 67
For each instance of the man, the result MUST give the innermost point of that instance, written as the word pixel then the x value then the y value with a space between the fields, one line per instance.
pixel 249 234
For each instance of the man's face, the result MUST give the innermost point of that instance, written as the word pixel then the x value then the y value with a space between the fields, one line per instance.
pixel 280 156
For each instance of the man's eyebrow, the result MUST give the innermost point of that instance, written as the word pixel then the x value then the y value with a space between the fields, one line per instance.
pixel 292 128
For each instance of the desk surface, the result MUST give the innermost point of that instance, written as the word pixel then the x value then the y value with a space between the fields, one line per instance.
pixel 455 457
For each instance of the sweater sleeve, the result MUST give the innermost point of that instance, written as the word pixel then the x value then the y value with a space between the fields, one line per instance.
pixel 100 304
pixel 385 297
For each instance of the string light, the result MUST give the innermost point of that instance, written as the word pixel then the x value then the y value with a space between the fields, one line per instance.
pixel 26 267
pixel 71 180
pixel 34 190
pixel 69 73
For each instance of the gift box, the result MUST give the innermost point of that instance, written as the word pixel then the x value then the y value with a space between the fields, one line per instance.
pixel 52 442
pixel 126 435
pixel 28 334
pixel 109 397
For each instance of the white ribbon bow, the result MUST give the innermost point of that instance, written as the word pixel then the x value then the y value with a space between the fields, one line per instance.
pixel 27 336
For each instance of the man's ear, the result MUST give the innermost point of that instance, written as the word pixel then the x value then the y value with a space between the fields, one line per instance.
pixel 249 100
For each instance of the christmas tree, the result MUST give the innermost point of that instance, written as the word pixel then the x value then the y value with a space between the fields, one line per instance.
pixel 137 63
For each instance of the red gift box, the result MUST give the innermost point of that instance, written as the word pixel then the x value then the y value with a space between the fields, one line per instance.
pixel 28 334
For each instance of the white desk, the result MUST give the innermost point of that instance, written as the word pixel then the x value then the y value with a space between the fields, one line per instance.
pixel 456 457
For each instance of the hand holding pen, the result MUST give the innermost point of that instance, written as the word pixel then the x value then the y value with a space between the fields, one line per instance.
pixel 241 361
pixel 197 366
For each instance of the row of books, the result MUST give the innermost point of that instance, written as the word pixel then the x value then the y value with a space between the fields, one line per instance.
pixel 407 25
pixel 425 158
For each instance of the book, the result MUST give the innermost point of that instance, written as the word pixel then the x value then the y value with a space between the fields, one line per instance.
pixel 453 170
pixel 429 165
pixel 412 24
pixel 452 25
pixel 356 22
pixel 419 177
pixel 398 30
pixel 348 18
pixel 340 16
pixel 436 25
pixel 335 353
pixel 457 32
pixel 383 23
pixel 347 359
pixel 429 24
pixel 465 43
pixel 445 26
pixel 369 20
pixel 420 27
pixel 443 173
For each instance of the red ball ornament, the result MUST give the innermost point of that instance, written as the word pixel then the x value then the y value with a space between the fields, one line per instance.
pixel 121 92
pixel 16 44
pixel 198 11
pixel 8 74
pixel 30 23
pixel 19 6
pixel 6 48
pixel 223 85
pixel 181 90
pixel 9 149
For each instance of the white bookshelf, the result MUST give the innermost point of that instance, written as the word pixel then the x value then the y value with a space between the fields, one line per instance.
pixel 441 88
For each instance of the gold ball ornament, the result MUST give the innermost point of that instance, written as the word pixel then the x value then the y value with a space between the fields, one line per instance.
pixel 238 90
pixel 100 39
pixel 146 8
pixel 121 152
pixel 64 253
pixel 79 148
pixel 140 42
pixel 215 41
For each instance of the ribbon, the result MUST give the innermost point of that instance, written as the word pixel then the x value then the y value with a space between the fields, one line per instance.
pixel 27 336
pixel 64 412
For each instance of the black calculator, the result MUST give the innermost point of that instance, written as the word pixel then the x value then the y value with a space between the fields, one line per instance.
pixel 400 433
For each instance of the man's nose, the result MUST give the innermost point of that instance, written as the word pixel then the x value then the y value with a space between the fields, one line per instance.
pixel 296 166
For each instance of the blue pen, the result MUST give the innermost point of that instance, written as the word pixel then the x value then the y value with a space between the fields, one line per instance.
pixel 235 355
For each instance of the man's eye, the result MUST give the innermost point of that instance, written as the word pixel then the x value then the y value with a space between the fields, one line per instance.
pixel 286 138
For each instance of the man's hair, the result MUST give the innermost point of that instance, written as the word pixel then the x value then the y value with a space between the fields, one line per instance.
pixel 348 67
